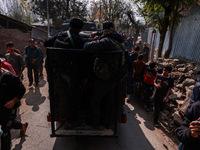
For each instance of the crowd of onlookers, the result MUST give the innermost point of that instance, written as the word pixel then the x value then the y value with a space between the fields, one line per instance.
pixel 155 84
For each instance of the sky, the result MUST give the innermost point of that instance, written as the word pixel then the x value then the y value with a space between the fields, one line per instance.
pixel 3 7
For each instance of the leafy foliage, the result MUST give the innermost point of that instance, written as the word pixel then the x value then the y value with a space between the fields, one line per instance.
pixel 19 10
pixel 58 10
pixel 160 13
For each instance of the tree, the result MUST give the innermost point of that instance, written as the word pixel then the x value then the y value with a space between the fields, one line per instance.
pixel 162 14
pixel 113 10
pixel 58 10
pixel 158 13
pixel 19 10
pixel 177 8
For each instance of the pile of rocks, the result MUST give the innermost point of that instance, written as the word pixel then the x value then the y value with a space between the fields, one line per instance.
pixel 184 74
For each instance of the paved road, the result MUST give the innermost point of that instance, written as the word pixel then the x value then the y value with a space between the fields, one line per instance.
pixel 137 134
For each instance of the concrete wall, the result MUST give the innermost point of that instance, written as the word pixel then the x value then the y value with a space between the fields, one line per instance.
pixel 19 39
pixel 39 34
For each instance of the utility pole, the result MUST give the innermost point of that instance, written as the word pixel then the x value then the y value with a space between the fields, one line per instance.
pixel 100 15
pixel 48 19
pixel 68 9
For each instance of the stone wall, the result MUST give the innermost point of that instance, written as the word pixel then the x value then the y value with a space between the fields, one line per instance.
pixel 19 39
pixel 184 74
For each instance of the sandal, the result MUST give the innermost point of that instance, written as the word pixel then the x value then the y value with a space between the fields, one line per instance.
pixel 23 129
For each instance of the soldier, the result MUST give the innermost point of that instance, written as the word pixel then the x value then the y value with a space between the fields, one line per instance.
pixel 68 39
pixel 105 85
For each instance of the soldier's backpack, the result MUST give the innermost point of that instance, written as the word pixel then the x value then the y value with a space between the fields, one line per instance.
pixel 108 69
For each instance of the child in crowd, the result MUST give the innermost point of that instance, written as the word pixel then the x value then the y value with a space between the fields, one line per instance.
pixel 163 83
pixel 138 74
pixel 148 84
pixel 132 56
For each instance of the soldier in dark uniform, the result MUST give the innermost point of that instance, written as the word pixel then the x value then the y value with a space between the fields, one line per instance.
pixel 105 85
pixel 68 78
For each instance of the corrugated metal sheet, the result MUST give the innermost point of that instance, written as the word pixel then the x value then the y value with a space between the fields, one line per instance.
pixel 186 40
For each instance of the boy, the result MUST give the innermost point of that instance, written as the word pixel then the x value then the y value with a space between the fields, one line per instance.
pixel 138 74
pixel 148 83
pixel 132 56
pixel 164 84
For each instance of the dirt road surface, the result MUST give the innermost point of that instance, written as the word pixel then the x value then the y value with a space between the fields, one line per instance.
pixel 137 134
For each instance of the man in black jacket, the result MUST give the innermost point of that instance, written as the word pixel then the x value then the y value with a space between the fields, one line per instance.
pixel 189 132
pixel 66 39
pixel 105 86
pixel 11 91
pixel 70 40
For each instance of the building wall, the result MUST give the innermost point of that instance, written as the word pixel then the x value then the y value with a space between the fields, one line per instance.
pixel 39 34
pixel 19 39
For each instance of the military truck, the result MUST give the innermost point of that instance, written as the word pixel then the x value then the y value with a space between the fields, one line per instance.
pixel 71 82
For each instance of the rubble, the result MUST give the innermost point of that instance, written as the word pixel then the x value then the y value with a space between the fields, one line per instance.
pixel 185 76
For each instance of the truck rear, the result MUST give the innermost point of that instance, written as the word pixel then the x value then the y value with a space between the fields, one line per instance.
pixel 71 79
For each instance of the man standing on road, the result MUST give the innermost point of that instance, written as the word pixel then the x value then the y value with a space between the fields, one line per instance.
pixel 11 91
pixel 32 57
pixel 132 56
pixel 146 52
pixel 15 59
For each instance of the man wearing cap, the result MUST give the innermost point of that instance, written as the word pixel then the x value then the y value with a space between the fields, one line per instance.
pixel 68 39
pixel 104 86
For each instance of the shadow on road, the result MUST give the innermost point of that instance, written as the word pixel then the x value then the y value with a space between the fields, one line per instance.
pixel 34 98
pixel 148 119
pixel 19 146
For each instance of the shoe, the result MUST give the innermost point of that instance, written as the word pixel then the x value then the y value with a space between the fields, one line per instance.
pixel 156 124
pixel 23 129
pixel 30 84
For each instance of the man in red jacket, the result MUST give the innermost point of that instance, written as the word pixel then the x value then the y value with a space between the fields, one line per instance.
pixel 7 66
